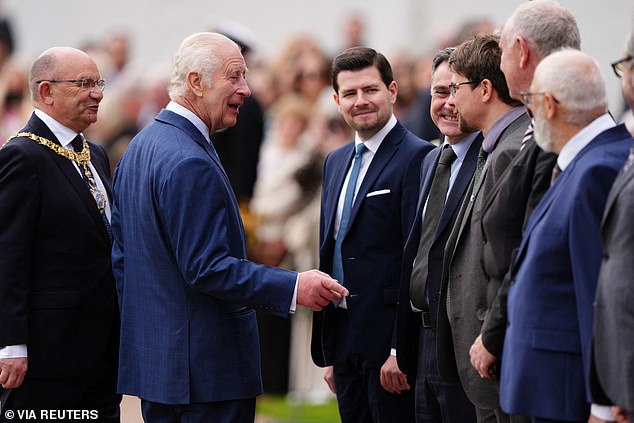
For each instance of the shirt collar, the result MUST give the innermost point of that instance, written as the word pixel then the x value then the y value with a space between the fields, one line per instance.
pixel 63 134
pixel 583 138
pixel 461 148
pixel 374 142
pixel 488 144
pixel 183 111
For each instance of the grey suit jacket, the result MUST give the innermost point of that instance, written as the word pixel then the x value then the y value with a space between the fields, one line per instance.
pixel 464 283
pixel 613 331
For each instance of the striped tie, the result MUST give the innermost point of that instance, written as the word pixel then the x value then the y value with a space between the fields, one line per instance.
pixel 527 135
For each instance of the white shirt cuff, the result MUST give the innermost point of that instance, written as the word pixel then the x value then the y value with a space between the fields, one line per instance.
pixel 13 351
pixel 294 300
pixel 393 351
pixel 602 411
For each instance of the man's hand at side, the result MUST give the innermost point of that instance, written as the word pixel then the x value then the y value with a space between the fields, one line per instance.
pixel 12 372
pixel 392 379
pixel 316 290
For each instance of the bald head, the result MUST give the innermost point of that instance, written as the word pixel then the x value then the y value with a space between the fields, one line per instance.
pixel 51 63
pixel 575 80
pixel 197 53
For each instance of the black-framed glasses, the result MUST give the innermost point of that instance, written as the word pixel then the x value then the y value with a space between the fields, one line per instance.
pixel 84 84
pixel 619 66
pixel 453 87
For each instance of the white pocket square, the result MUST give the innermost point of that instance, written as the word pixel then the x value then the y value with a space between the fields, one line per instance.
pixel 379 192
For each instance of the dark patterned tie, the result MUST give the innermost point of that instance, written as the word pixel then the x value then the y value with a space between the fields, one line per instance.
pixel 337 261
pixel 482 159
pixel 78 143
pixel 433 212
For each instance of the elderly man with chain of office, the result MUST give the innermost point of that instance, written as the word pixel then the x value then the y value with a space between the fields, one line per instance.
pixel 58 312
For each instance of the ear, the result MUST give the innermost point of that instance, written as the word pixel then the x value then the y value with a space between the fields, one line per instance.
pixel 551 106
pixel 195 83
pixel 524 50
pixel 335 96
pixel 393 90
pixel 486 90
pixel 45 92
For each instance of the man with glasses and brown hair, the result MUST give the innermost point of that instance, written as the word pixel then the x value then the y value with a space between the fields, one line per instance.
pixel 59 324
pixel 547 348
pixel 532 32
pixel 481 98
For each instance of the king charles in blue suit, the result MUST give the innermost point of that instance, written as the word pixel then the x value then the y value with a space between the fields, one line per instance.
pixel 189 337
pixel 546 356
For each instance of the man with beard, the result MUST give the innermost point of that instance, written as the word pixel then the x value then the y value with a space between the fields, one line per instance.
pixel 481 97
pixel 554 276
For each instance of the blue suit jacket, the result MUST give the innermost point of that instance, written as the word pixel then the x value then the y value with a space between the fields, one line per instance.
pixel 546 358
pixel 372 249
pixel 182 276
pixel 409 322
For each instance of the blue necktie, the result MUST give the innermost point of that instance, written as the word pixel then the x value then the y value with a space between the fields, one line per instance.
pixel 337 263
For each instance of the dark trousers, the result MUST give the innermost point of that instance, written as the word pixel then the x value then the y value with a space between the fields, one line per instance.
pixel 438 401
pixel 234 411
pixel 360 396
pixel 95 395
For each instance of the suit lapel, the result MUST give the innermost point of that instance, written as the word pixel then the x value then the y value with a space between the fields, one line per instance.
pixel 382 157
pixel 36 126
pixel 341 164
pixel 551 194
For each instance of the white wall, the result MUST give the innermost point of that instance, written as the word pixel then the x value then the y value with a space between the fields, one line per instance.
pixel 158 26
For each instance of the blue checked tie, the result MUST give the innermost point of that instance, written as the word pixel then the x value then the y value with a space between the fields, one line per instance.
pixel 337 263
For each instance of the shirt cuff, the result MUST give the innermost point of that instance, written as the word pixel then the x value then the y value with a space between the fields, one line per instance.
pixel 294 300
pixel 13 351
pixel 393 351
pixel 602 411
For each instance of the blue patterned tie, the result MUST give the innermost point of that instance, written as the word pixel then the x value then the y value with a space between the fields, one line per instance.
pixel 337 263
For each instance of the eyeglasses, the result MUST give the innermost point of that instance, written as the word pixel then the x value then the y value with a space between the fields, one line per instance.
pixel 84 84
pixel 527 99
pixel 619 66
pixel 453 87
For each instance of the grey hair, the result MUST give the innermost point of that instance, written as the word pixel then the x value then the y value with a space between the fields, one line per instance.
pixel 195 54
pixel 441 57
pixel 575 80
pixel 547 26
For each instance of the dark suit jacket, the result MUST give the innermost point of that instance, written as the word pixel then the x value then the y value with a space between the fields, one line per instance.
pixel 372 249
pixel 613 332
pixel 505 212
pixel 554 279
pixel 57 292
pixel 409 322
pixel 184 283
pixel 464 296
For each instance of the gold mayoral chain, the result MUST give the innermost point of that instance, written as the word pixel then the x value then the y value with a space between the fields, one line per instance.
pixel 82 159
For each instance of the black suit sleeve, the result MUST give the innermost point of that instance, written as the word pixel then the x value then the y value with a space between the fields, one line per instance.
pixel 19 202
pixel 544 165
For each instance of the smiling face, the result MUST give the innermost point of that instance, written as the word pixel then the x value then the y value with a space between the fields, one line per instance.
pixel 442 113
pixel 466 103
pixel 67 102
pixel 228 89
pixel 364 101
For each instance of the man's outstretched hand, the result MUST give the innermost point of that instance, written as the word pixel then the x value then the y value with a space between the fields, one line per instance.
pixel 316 290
